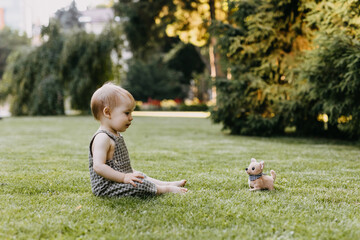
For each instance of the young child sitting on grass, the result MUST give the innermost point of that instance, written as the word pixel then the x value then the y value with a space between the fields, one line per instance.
pixel 111 173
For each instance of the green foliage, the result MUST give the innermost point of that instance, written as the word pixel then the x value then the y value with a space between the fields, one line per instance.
pixel 261 44
pixel 330 74
pixel 153 80
pixel 185 59
pixel 240 113
pixel 144 25
pixel 298 112
pixel 9 41
pixel 29 73
pixel 72 63
pixel 164 77
pixel 86 64
pixel 282 77
pixel 48 97
pixel 145 36
pixel 333 70
pixel 335 17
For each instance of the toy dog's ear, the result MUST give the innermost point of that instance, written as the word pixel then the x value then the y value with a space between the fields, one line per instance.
pixel 253 160
pixel 262 165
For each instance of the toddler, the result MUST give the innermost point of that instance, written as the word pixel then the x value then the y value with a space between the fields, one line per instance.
pixel 111 173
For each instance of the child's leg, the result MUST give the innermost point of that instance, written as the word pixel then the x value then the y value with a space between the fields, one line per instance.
pixel 169 189
pixel 160 183
pixel 180 183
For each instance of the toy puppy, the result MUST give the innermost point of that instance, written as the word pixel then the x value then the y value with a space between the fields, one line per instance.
pixel 258 180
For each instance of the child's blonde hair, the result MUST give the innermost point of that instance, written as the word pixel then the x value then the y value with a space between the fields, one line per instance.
pixel 109 95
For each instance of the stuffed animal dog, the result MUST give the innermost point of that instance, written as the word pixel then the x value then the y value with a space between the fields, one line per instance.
pixel 258 180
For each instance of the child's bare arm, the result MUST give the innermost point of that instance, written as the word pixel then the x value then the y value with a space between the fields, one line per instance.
pixel 100 149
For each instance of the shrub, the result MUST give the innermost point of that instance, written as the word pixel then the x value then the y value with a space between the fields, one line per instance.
pixel 48 98
pixel 153 80
pixel 194 107
pixel 333 72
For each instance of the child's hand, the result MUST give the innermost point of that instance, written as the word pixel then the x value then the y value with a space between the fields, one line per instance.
pixel 132 178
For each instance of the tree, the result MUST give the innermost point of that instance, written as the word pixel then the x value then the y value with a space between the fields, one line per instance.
pixel 184 58
pixel 294 63
pixel 153 80
pixel 68 63
pixel 32 78
pixel 330 85
pixel 261 42
pixel 86 64
pixel 332 70
pixel 9 41
pixel 146 31
pixel 192 24
pixel 144 26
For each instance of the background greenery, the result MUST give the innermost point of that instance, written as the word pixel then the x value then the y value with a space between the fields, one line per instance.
pixel 10 41
pixel 45 189
pixel 291 61
pixel 276 64
pixel 70 63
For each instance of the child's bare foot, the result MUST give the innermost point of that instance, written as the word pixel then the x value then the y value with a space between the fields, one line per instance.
pixel 180 183
pixel 175 189
pixel 172 189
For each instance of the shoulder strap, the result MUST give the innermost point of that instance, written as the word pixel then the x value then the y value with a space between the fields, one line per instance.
pixel 100 131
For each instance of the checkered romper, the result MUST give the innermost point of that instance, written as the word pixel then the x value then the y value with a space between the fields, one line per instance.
pixel 120 162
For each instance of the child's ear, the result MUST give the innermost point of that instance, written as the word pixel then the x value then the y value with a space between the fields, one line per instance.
pixel 262 165
pixel 107 112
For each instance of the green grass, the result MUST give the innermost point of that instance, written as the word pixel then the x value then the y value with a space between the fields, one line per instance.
pixel 45 188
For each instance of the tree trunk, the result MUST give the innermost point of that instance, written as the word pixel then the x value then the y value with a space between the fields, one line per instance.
pixel 214 57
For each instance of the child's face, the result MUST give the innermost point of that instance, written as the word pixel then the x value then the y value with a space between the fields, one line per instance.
pixel 121 117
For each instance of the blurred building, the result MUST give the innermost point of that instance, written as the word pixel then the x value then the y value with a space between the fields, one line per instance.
pixel 95 20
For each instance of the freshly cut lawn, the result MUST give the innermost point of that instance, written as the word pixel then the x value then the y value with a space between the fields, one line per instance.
pixel 45 189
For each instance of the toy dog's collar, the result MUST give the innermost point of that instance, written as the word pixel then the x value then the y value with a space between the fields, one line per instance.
pixel 254 177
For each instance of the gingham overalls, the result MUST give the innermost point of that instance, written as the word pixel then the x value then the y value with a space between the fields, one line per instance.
pixel 120 162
